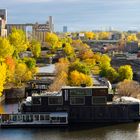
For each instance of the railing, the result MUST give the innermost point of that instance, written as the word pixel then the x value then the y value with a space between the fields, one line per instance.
pixel 48 118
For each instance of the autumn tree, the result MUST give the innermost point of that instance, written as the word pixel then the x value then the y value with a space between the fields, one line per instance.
pixel 103 35
pixel 80 67
pixel 2 77
pixel 59 81
pixel 10 62
pixel 129 88
pixel 35 47
pixel 18 39
pixel 109 73
pixel 6 49
pixel 77 78
pixel 125 72
pixel 61 75
pixel 30 62
pixel 104 61
pixel 90 63
pixel 90 35
pixel 69 50
pixel 51 39
pixel 132 37
pixel 20 71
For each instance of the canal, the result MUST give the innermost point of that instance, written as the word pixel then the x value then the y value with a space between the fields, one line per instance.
pixel 130 131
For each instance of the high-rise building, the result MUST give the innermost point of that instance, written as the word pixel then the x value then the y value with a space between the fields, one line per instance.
pixel 65 29
pixel 3 21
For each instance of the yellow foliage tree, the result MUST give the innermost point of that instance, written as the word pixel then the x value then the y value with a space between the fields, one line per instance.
pixel 18 39
pixel 90 35
pixel 103 35
pixel 68 49
pixel 51 39
pixel 27 76
pixel 20 71
pixel 76 79
pixel 132 37
pixel 2 76
pixel 6 49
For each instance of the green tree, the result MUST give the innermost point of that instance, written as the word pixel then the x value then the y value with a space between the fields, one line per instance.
pixel 35 47
pixel 30 62
pixel 112 74
pixel 80 67
pixel 125 72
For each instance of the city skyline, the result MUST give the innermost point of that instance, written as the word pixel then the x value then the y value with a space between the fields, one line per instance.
pixel 76 14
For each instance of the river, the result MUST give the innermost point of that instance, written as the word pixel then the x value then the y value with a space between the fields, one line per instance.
pixel 130 131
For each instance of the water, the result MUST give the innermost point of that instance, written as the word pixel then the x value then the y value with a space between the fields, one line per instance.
pixel 48 69
pixel 130 131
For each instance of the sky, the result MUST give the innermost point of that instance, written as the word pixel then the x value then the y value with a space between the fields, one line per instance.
pixel 77 15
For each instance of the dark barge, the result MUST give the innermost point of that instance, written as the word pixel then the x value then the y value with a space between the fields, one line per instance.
pixel 73 105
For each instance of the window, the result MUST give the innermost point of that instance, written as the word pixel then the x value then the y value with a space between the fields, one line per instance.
pixel 80 92
pixel 36 101
pixel 77 100
pixel 99 100
pixel 55 101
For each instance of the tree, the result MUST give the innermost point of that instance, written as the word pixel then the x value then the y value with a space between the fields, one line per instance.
pixel 132 37
pixel 104 61
pixel 77 78
pixel 80 67
pixel 6 49
pixel 20 71
pixel 30 62
pixel 2 77
pixel 129 88
pixel 10 62
pixel 51 39
pixel 103 35
pixel 35 47
pixel 59 81
pixel 90 35
pixel 87 54
pixel 125 72
pixel 90 63
pixel 18 39
pixel 69 51
pixel 109 73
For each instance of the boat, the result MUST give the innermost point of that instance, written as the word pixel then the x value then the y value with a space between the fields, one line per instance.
pixel 73 106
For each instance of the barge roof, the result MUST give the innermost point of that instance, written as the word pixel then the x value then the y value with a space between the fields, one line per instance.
pixel 87 87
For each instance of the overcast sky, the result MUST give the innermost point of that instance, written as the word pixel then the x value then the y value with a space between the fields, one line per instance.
pixel 76 14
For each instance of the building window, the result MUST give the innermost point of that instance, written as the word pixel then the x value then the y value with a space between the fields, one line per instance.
pixel 77 100
pixel 55 101
pixel 81 92
pixel 99 100
pixel 36 101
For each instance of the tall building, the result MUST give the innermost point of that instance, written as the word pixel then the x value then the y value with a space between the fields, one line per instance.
pixel 38 30
pixel 65 29
pixel 3 21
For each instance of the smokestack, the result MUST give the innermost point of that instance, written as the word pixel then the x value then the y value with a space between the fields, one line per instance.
pixel 51 23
